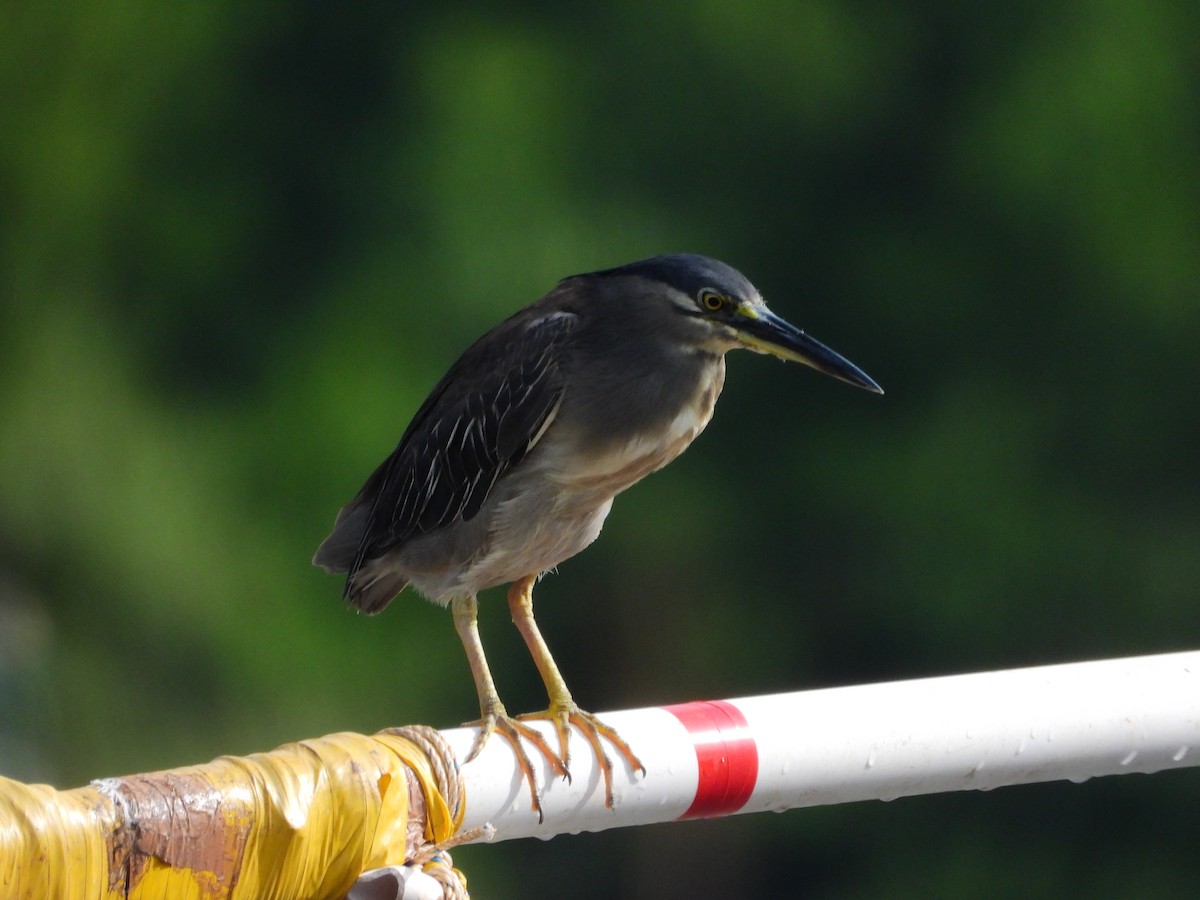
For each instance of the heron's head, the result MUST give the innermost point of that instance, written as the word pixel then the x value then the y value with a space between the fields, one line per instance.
pixel 717 308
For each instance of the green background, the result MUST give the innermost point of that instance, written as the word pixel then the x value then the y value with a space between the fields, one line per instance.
pixel 238 243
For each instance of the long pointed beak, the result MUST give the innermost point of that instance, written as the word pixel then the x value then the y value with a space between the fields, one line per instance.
pixel 765 332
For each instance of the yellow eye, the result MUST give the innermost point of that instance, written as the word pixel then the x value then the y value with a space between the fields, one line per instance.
pixel 711 300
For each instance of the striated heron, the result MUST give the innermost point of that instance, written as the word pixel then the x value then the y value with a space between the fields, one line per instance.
pixel 511 464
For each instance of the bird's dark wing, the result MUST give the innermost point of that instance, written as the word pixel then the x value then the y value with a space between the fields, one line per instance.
pixel 481 419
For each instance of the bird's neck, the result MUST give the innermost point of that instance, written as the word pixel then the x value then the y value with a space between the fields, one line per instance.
pixel 637 429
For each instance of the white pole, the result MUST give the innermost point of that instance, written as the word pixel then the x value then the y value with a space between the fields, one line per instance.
pixel 882 741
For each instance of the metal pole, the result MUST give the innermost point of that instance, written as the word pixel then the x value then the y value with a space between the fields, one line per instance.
pixel 965 732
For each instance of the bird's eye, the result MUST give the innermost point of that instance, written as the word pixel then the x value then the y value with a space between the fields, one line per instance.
pixel 711 300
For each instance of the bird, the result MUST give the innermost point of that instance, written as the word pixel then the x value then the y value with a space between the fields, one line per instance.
pixel 511 464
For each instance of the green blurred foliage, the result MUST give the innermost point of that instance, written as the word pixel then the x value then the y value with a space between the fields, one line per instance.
pixel 238 245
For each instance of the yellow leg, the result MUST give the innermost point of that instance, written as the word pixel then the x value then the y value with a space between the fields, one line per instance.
pixel 493 716
pixel 563 710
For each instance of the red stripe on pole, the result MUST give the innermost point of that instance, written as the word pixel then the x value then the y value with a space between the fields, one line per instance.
pixel 726 754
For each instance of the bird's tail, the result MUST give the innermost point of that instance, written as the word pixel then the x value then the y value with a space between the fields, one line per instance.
pixel 373 586
pixel 370 584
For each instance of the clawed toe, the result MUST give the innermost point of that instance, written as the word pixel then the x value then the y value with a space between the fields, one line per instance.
pixel 515 732
pixel 512 731
pixel 563 716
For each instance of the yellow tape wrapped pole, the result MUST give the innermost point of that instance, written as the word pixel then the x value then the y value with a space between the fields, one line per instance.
pixel 304 820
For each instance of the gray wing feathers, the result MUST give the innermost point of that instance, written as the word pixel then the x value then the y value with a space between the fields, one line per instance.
pixel 342 543
pixel 481 419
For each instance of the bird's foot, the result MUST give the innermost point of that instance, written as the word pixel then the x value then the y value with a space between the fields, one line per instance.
pixel 512 730
pixel 567 713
